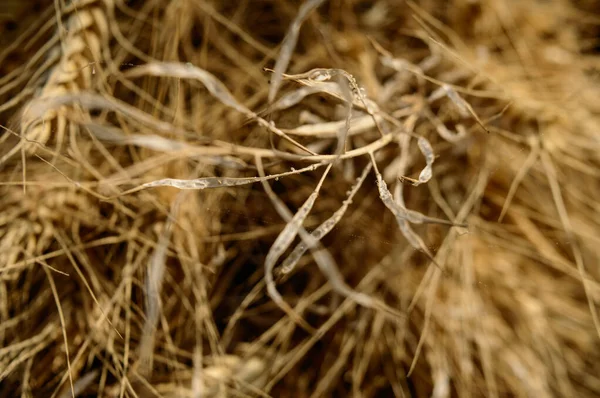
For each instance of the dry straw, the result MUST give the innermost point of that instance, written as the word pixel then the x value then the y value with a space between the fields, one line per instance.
pixel 78 51
pixel 325 198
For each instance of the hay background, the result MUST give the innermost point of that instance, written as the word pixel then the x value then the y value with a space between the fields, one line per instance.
pixel 508 317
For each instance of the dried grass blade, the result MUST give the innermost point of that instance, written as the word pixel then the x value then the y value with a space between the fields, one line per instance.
pixel 217 182
pixel 212 84
pixel 149 141
pixel 565 220
pixel 318 79
pixel 154 280
pixel 441 128
pixel 189 71
pixel 324 261
pixel 81 384
pixel 288 45
pixel 358 125
pixel 290 262
pixel 403 217
pixel 285 238
pixel 400 211
pixel 447 91
pixel 464 108
pixel 427 151
pixel 363 150
pixel 63 325
pixel 523 170
pixel 209 154
pixel 293 98
pixel 39 107
pixel 61 238
pixel 343 132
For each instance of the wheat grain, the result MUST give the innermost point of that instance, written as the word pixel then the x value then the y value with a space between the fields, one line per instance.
pixel 81 48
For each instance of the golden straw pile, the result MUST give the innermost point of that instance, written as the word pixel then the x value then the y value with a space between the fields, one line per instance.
pixel 322 198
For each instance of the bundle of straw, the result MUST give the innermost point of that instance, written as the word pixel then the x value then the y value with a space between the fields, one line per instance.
pixel 317 198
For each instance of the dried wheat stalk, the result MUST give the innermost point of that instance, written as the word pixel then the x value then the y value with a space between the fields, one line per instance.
pixel 82 40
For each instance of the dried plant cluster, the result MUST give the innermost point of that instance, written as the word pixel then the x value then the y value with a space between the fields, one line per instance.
pixel 324 198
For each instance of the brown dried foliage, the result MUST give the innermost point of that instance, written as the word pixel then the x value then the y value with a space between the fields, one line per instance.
pixel 408 209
